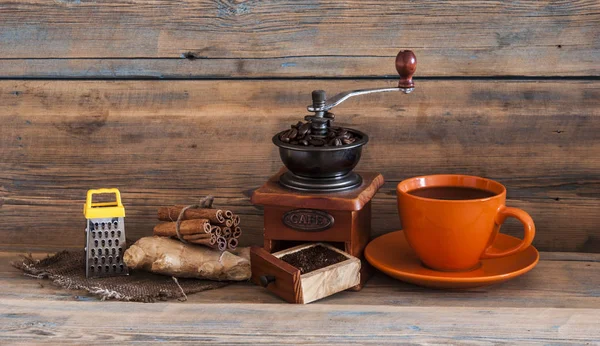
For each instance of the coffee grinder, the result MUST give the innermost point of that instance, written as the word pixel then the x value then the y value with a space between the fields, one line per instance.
pixel 317 197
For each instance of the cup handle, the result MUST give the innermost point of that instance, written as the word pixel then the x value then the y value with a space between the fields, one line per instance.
pixel 528 232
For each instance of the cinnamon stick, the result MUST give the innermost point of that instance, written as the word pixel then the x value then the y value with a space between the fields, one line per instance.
pixel 228 214
pixel 227 223
pixel 221 243
pixel 232 243
pixel 226 232
pixel 198 236
pixel 236 220
pixel 214 229
pixel 167 229
pixel 237 232
pixel 172 213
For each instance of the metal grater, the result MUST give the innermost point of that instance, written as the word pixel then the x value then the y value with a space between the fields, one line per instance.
pixel 105 236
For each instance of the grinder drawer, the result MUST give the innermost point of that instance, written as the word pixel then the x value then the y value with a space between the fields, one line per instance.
pixel 288 281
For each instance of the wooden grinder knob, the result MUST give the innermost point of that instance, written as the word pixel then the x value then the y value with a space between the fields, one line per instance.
pixel 406 65
pixel 265 280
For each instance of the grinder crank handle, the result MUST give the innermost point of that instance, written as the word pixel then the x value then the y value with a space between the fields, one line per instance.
pixel 406 65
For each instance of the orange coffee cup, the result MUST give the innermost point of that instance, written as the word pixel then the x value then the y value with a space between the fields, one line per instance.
pixel 451 221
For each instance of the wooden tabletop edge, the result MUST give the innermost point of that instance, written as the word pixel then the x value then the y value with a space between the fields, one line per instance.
pixel 13 254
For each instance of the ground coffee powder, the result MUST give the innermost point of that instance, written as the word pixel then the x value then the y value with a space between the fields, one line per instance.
pixel 313 258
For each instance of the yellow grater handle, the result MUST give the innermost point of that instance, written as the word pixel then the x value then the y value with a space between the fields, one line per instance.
pixel 103 209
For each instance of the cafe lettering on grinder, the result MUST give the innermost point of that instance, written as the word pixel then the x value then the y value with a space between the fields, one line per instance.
pixel 308 220
pixel 318 198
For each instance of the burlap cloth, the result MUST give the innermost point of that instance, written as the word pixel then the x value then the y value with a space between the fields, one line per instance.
pixel 67 269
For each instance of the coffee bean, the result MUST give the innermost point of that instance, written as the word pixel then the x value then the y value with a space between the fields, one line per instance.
pixel 336 142
pixel 301 134
pixel 304 129
pixel 285 136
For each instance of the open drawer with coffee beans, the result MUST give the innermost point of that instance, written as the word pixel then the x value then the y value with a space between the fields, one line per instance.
pixel 305 273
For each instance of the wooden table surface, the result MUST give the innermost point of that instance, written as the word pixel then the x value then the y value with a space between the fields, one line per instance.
pixel 557 302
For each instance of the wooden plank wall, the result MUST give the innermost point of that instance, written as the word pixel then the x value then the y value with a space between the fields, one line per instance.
pixel 173 100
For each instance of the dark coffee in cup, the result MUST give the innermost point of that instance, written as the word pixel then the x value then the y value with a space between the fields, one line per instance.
pixel 451 193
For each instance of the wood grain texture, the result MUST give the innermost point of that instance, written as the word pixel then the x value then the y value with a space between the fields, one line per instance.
pixel 68 322
pixel 557 302
pixel 222 38
pixel 172 142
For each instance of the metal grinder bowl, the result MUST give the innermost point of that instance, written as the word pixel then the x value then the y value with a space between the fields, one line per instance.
pixel 321 169
pixel 329 168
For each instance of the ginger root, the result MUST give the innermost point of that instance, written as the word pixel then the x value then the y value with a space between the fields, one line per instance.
pixel 171 257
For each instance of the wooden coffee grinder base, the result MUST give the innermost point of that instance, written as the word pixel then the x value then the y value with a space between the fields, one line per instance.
pixel 342 219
